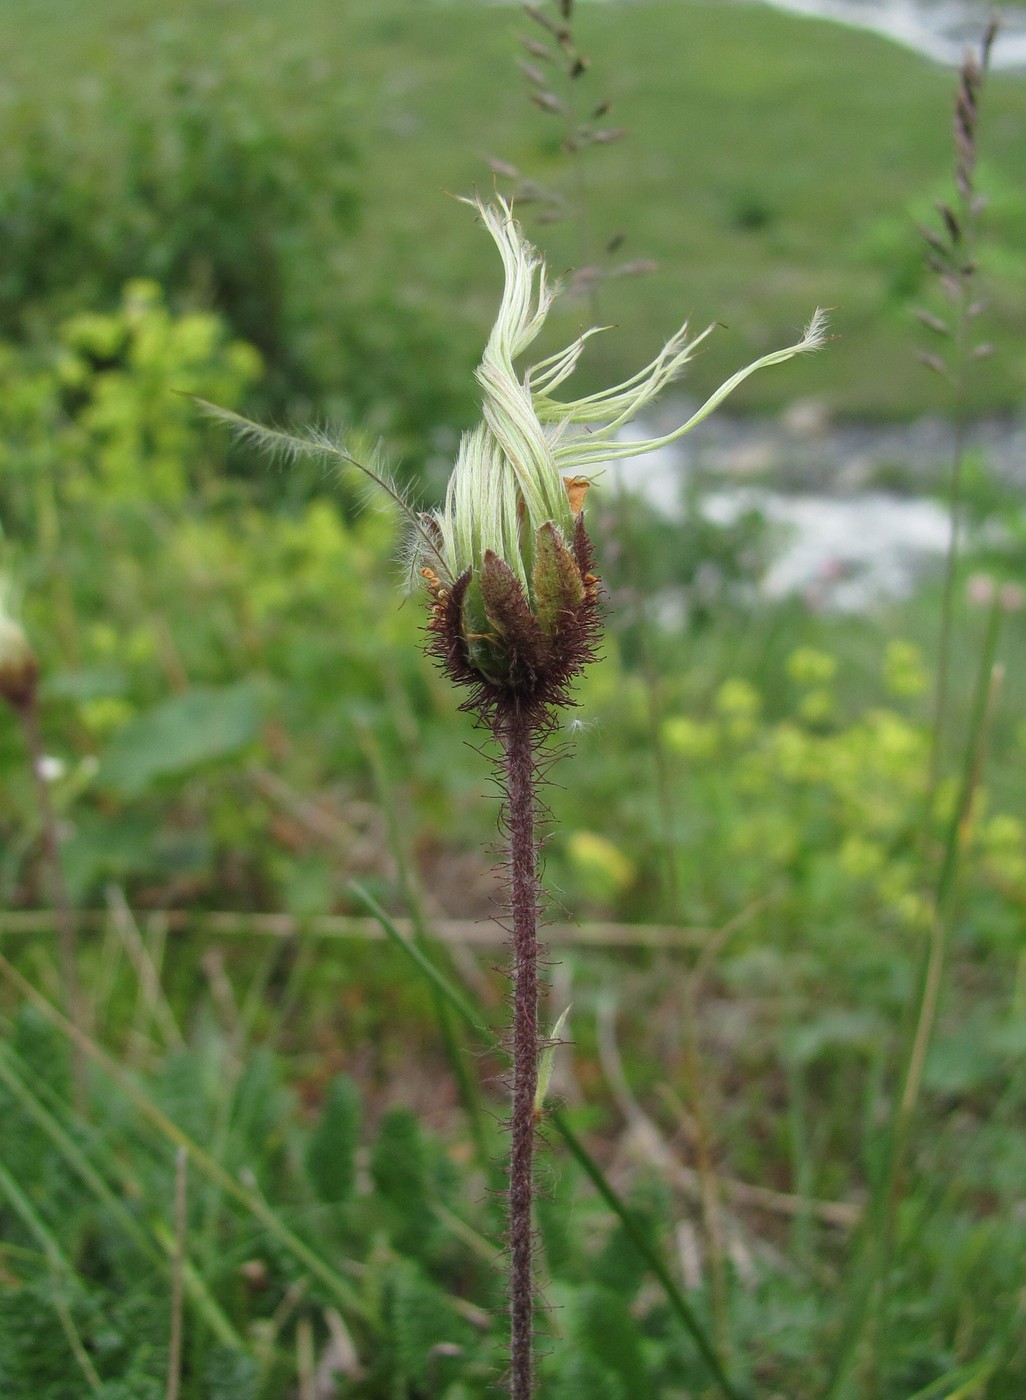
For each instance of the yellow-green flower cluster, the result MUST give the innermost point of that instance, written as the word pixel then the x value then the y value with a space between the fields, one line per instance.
pixel 834 803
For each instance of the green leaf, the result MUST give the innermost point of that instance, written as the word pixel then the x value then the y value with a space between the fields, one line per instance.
pixel 576 1375
pixel 429 1338
pixel 107 847
pixel 206 723
pixel 605 1330
pixel 331 1156
pixel 90 684
pixel 619 1266
pixel 399 1171
pixel 833 1030
pixel 397 1164
pixel 547 1062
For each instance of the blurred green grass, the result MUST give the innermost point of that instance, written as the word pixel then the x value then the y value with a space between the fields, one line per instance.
pixel 772 164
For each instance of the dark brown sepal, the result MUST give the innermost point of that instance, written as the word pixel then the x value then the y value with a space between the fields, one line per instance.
pixel 516 651
pixel 446 628
pixel 585 556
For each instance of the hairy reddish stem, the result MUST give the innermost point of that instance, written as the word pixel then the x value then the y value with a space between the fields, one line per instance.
pixel 28 713
pixel 519 735
pixel 64 915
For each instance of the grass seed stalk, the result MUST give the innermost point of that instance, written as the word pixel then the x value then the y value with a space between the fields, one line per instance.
pixel 19 687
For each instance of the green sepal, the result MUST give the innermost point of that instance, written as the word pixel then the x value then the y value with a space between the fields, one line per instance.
pixel 557 582
pixel 485 649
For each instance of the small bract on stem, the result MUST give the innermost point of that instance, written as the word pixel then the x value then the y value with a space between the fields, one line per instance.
pixel 515 615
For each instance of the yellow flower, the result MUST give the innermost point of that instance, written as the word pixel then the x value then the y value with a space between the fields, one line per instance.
pixel 809 666
pixel 904 672
pixel 601 864
pixel 691 738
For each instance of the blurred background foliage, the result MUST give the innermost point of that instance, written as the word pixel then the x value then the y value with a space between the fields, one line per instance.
pixel 245 203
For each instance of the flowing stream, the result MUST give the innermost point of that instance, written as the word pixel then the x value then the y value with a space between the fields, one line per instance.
pixel 939 29
pixel 844 539
pixel 844 543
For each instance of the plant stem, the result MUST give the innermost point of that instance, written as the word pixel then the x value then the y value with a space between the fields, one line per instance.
pixel 174 1364
pixel 637 1233
pixel 879 1240
pixel 519 735
pixel 987 683
pixel 940 702
pixel 958 275
pixel 28 713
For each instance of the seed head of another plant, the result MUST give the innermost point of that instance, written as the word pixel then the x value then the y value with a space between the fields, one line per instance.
pixel 19 669
pixel 507 558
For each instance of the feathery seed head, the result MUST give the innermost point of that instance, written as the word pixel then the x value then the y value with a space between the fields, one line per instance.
pixel 506 558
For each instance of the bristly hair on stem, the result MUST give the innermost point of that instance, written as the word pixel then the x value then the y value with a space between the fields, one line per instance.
pixel 515 611
pixel 519 735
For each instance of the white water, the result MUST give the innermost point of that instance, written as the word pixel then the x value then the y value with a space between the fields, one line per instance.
pixel 838 553
pixel 840 541
pixel 939 29
pixel 842 554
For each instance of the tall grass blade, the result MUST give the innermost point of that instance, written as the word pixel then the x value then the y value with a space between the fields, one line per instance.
pixel 60 1267
pixel 174 1363
pixel 424 964
pixel 250 1200
pixel 29 1093
pixel 674 1296
pixel 467 1085
pixel 967 1380
pixel 877 1243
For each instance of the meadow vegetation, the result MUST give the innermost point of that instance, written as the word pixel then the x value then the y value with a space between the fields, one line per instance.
pixel 261 1159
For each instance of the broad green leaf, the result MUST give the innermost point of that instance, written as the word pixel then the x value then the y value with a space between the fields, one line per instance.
pixel 206 723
